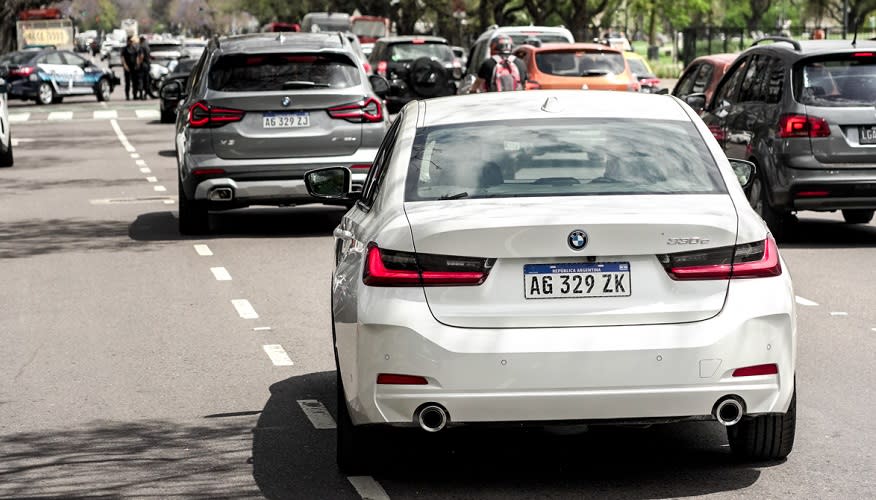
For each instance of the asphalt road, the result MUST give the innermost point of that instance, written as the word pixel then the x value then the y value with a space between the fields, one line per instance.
pixel 130 366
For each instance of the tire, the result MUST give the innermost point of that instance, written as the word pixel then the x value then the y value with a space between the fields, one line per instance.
pixel 103 90
pixel 168 116
pixel 778 221
pixel 45 94
pixel 764 437
pixel 858 216
pixel 6 159
pixel 193 215
pixel 352 440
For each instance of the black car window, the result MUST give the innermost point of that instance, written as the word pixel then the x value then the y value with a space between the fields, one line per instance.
pixel 753 84
pixel 479 53
pixel 282 71
pixel 415 50
pixel 52 58
pixel 17 58
pixel 775 80
pixel 685 84
pixel 378 168
pixel 727 89
pixel 837 80
pixel 703 78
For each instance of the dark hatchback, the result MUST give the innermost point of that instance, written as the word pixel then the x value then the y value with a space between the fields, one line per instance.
pixel 803 112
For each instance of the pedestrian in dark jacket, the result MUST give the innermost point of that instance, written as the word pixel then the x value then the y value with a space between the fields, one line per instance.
pixel 131 64
pixel 147 65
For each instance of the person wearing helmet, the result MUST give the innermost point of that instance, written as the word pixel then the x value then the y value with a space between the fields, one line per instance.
pixel 502 71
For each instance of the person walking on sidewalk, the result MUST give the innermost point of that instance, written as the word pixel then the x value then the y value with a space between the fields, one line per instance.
pixel 146 78
pixel 131 59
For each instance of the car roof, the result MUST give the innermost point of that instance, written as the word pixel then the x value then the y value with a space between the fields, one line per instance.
pixel 388 40
pixel 815 47
pixel 274 42
pixel 549 104
pixel 549 47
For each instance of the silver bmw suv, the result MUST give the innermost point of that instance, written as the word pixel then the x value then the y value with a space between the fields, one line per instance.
pixel 261 110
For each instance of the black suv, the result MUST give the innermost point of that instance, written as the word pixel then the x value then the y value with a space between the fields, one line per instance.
pixel 417 67
pixel 803 112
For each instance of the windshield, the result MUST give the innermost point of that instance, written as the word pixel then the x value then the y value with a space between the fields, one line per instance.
pixel 369 28
pixel 580 63
pixel 411 51
pixel 560 157
pixel 838 80
pixel 637 66
pixel 16 58
pixel 266 72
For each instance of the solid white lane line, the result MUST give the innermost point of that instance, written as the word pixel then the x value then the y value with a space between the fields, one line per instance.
pixel 121 136
pixel 317 414
pixel 220 273
pixel 61 115
pixel 135 155
pixel 152 179
pixel 160 189
pixel 145 170
pixel 368 488
pixel 203 250
pixel 262 329
pixel 277 354
pixel 170 202
pixel 839 313
pixel 104 114
pixel 244 309
pixel 141 163
pixel 18 117
pixel 805 302
pixel 147 113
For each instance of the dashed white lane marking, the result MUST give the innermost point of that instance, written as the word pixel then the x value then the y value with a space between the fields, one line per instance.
pixel 19 140
pixel 121 136
pixel 148 113
pixel 244 309
pixel 152 179
pixel 805 302
pixel 171 202
pixel 262 329
pixel 277 354
pixel 141 163
pixel 368 488
pixel 203 250
pixel 105 114
pixel 839 313
pixel 220 273
pixel 317 414
pixel 135 155
pixel 145 170
pixel 61 115
pixel 19 117
pixel 160 189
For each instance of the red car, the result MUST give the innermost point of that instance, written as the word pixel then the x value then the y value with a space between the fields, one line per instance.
pixel 702 75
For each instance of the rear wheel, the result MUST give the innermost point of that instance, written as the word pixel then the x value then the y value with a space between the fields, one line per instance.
pixel 858 216
pixel 103 90
pixel 193 215
pixel 778 221
pixel 45 94
pixel 764 437
pixel 352 440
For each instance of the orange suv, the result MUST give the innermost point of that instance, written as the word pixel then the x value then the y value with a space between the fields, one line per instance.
pixel 587 66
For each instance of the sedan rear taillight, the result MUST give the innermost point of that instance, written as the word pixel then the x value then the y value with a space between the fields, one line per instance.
pixel 392 268
pixel 202 115
pixel 802 126
pixel 369 111
pixel 749 260
pixel 23 71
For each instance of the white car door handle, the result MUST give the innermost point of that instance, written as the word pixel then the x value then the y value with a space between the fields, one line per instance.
pixel 343 234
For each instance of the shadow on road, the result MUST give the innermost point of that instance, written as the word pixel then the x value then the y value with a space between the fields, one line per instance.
pixel 167 153
pixel 828 233
pixel 675 460
pixel 31 237
pixel 316 220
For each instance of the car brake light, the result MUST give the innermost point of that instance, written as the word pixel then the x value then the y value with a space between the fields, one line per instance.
pixel 23 71
pixel 399 379
pixel 208 171
pixel 392 268
pixel 749 260
pixel 863 54
pixel 418 41
pixel 360 166
pixel 202 115
pixel 368 110
pixel 381 68
pixel 812 194
pixel 803 126
pixel 750 371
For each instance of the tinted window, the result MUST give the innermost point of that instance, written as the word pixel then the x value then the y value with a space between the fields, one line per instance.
pixel 580 63
pixel 17 58
pixel 752 88
pixel 729 84
pixel 637 66
pixel 411 51
pixel 703 78
pixel 560 158
pixel 378 168
pixel 52 58
pixel 685 84
pixel 837 80
pixel 369 28
pixel 775 79
pixel 267 72
pixel 74 59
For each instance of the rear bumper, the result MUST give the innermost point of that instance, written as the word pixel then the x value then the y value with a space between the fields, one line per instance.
pixel 848 186
pixel 267 192
pixel 674 371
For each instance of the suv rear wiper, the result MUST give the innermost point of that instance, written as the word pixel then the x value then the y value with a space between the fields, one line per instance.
pixel 453 196
pixel 595 72
pixel 303 84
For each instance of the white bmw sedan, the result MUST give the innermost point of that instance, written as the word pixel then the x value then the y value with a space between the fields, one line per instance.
pixel 554 257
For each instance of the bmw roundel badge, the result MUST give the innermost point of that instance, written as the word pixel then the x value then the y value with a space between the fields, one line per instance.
pixel 577 239
pixel 286 101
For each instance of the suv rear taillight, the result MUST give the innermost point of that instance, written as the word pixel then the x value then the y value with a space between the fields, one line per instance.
pixel 392 268
pixel 749 260
pixel 202 115
pixel 802 126
pixel 368 110
pixel 23 71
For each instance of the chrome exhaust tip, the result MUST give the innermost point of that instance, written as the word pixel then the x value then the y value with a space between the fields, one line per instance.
pixel 729 411
pixel 431 417
pixel 221 194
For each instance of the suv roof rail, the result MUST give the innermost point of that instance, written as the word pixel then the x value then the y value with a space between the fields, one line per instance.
pixel 492 27
pixel 794 43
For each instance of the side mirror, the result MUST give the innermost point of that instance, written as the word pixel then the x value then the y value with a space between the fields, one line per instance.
pixel 744 171
pixel 171 91
pixel 333 183
pixel 379 84
pixel 696 101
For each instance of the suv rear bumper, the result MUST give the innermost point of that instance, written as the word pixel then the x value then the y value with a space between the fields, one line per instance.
pixel 265 192
pixel 829 186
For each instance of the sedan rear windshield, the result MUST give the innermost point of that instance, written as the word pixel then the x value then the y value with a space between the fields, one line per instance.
pixel 17 58
pixel 838 80
pixel 580 63
pixel 560 158
pixel 521 38
pixel 412 51
pixel 270 72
